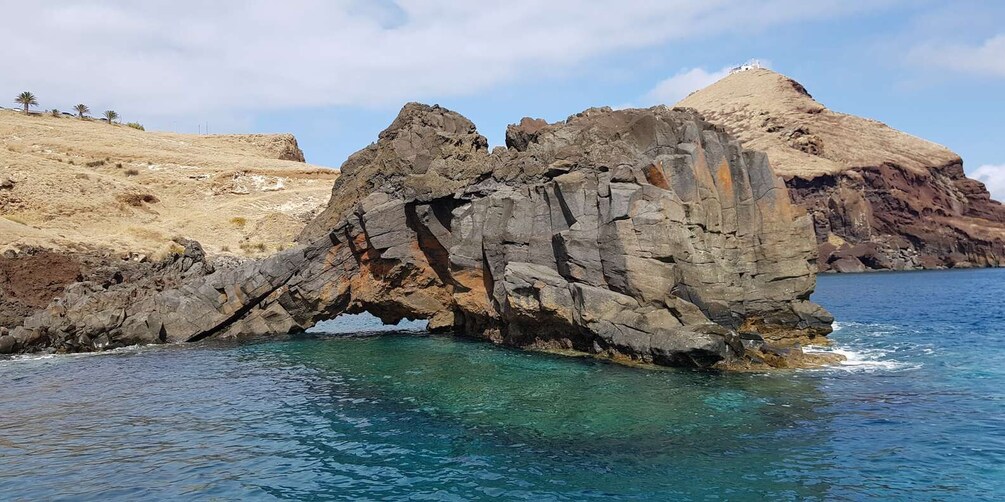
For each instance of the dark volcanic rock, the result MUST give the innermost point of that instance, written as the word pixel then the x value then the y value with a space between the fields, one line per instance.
pixel 891 218
pixel 644 235
pixel 32 277
pixel 7 344
pixel 88 314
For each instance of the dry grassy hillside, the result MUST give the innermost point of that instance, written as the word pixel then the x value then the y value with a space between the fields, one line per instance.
pixel 67 183
pixel 775 114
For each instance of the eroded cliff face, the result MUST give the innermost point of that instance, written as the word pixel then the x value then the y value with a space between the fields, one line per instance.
pixel 889 218
pixel 880 199
pixel 639 235
pixel 278 146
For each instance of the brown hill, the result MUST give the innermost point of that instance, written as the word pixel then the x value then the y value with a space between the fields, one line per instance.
pixel 79 196
pixel 880 198
pixel 67 183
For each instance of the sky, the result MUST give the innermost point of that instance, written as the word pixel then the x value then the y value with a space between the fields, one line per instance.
pixel 336 72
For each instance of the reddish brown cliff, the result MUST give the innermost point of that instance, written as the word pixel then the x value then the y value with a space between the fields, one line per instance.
pixel 880 199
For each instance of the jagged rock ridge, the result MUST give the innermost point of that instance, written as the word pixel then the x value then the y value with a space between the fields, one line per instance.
pixel 880 199
pixel 645 235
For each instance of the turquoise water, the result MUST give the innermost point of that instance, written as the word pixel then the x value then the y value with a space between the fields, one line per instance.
pixel 917 413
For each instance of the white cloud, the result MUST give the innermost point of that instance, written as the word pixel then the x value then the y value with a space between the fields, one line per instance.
pixel 683 83
pixel 993 176
pixel 197 58
pixel 988 58
pixel 688 80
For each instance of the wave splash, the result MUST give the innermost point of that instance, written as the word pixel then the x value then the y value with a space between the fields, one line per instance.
pixel 856 342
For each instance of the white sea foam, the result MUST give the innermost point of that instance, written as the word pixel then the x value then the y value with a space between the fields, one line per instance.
pixel 867 360
pixel 27 358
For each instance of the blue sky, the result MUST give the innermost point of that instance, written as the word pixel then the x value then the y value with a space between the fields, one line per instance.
pixel 335 73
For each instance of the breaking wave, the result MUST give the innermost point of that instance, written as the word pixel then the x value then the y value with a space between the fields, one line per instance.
pixel 857 343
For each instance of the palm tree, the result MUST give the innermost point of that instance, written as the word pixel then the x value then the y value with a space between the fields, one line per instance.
pixel 110 116
pixel 81 110
pixel 26 99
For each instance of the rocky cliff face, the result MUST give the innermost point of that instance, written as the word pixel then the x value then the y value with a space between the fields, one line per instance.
pixel 276 146
pixel 638 235
pixel 880 199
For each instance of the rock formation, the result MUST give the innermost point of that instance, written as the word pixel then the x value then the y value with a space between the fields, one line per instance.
pixel 880 199
pixel 638 235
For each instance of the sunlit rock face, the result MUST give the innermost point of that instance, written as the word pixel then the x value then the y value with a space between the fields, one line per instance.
pixel 644 235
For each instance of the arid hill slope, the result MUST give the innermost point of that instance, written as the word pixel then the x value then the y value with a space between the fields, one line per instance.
pixel 76 184
pixel 880 198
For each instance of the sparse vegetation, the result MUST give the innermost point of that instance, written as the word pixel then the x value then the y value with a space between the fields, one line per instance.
pixel 64 204
pixel 26 99
pixel 81 110
pixel 169 252
pixel 135 125
pixel 138 199
pixel 249 248
pixel 54 112
pixel 225 249
pixel 176 249
pixel 110 116
pixel 238 221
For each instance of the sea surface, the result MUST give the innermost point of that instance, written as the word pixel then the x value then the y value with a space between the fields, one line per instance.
pixel 916 413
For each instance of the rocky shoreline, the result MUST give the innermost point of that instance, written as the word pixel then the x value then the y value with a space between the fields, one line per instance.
pixel 645 236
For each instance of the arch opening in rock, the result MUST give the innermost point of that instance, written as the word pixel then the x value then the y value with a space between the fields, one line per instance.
pixel 364 322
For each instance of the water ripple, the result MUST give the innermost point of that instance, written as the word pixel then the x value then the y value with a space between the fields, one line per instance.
pixel 917 413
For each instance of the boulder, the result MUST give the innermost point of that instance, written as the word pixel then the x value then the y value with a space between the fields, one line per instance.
pixel 7 344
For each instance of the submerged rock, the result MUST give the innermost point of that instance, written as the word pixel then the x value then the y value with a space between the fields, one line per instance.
pixel 643 235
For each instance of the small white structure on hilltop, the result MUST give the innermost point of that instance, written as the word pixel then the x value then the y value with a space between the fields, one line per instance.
pixel 749 65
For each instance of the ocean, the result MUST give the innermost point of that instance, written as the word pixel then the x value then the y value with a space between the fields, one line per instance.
pixel 917 412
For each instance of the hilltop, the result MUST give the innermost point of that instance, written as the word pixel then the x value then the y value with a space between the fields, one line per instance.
pixel 71 184
pixel 880 198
